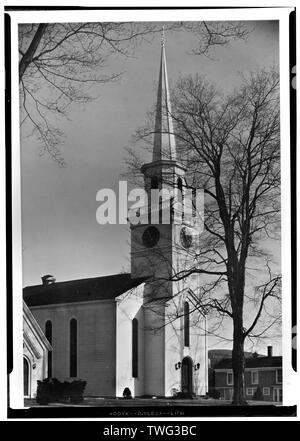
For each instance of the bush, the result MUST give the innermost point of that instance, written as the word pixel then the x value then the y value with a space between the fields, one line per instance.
pixel 127 393
pixel 52 390
pixel 215 394
pixel 258 396
pixel 43 391
pixel 75 391
pixel 183 395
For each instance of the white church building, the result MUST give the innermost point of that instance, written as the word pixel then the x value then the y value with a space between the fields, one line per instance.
pixel 140 330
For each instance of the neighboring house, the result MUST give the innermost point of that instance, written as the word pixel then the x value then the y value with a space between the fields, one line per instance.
pixel 135 330
pixel 263 378
pixel 35 353
pixel 214 358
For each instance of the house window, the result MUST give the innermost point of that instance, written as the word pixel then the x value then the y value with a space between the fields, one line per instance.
pixel 266 391
pixel 186 324
pixel 229 378
pixel 254 377
pixel 48 334
pixel 135 348
pixel 279 376
pixel 250 391
pixel 73 348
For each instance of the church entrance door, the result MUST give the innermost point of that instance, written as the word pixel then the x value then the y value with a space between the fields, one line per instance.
pixel 187 377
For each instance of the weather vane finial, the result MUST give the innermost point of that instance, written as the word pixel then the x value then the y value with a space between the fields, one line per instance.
pixel 162 36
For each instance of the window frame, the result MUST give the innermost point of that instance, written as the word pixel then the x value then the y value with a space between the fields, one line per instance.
pixel 277 380
pixel 73 349
pixel 135 348
pixel 252 389
pixel 49 336
pixel 228 382
pixel 252 377
pixel 186 324
pixel 269 391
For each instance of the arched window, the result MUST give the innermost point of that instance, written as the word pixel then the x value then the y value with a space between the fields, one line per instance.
pixel 73 348
pixel 48 333
pixel 186 324
pixel 154 182
pixel 135 352
pixel 26 374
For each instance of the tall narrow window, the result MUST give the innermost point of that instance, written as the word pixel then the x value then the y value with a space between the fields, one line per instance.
pixel 135 352
pixel 73 348
pixel 186 324
pixel 26 376
pixel 179 184
pixel 48 333
pixel 154 182
pixel 180 194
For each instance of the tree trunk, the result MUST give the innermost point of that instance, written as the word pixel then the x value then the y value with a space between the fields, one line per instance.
pixel 238 361
pixel 29 54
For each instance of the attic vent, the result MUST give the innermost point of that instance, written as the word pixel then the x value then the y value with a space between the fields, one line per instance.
pixel 48 279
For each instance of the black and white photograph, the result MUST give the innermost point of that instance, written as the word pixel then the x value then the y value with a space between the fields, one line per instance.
pixel 151 211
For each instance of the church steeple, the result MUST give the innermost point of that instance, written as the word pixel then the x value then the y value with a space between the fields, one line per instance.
pixel 164 139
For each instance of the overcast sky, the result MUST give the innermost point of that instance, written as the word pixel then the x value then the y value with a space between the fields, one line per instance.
pixel 59 230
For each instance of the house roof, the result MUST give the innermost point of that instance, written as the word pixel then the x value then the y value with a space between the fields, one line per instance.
pixel 226 353
pixel 72 291
pixel 254 362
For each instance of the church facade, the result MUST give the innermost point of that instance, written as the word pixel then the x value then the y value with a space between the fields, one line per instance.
pixel 140 330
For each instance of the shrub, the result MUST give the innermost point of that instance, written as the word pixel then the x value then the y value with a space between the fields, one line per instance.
pixel 127 393
pixel 258 396
pixel 43 392
pixel 74 391
pixel 51 390
pixel 215 394
pixel 183 395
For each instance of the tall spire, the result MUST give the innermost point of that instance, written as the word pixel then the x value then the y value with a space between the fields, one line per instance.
pixel 164 139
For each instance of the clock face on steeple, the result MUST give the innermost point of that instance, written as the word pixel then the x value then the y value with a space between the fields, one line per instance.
pixel 150 237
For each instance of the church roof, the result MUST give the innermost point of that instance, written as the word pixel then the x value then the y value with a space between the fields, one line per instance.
pixel 164 139
pixel 72 291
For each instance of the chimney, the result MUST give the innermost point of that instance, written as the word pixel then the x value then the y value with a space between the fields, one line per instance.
pixel 47 279
pixel 270 351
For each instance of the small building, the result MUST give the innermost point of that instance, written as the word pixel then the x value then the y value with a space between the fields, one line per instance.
pixel 35 353
pixel 214 358
pixel 263 378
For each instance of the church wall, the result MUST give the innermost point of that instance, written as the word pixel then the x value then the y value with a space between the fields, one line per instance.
pixel 96 342
pixel 154 349
pixel 176 351
pixel 174 348
pixel 198 352
pixel 128 308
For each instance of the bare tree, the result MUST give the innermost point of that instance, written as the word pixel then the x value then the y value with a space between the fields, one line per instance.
pixel 60 62
pixel 231 147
